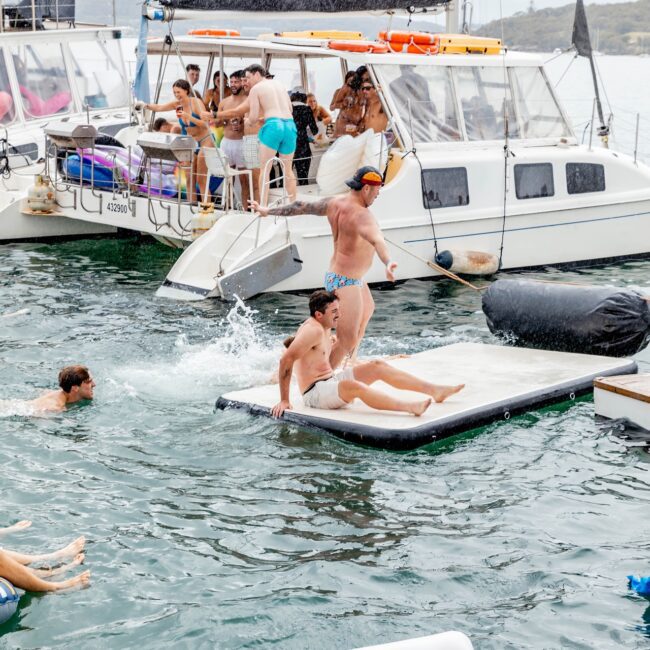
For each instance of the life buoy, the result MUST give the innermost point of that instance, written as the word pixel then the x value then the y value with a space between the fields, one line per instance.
pixel 369 47
pixel 413 38
pixel 8 600
pixel 213 32
pixel 412 48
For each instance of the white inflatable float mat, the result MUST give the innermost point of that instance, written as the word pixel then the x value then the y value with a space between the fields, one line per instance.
pixel 499 382
pixel 444 641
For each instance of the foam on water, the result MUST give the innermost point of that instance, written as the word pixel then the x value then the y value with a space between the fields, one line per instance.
pixel 13 407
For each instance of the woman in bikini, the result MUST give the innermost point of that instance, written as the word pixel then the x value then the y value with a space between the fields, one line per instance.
pixel 188 112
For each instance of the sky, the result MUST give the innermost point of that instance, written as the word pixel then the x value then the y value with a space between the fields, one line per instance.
pixel 487 10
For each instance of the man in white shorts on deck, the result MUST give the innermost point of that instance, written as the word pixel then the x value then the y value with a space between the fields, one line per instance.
pixel 323 388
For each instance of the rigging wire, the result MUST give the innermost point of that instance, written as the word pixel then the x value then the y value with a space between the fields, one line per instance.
pixel 506 145
pixel 557 83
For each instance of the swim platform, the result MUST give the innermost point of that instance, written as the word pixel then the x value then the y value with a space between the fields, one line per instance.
pixel 500 382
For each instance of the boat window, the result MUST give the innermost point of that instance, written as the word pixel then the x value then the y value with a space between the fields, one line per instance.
pixel 484 92
pixel 324 78
pixel 174 70
pixel 287 72
pixel 445 188
pixel 584 177
pixel 424 100
pixel 98 74
pixel 42 80
pixel 539 112
pixel 7 109
pixel 534 181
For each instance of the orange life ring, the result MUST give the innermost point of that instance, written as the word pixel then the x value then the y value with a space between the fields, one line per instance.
pixel 412 48
pixel 370 47
pixel 413 38
pixel 213 32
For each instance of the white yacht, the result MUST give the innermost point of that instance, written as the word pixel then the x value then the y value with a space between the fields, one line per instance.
pixel 58 72
pixel 481 157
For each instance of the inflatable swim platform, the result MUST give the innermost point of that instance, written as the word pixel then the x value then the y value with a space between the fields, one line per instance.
pixel 499 382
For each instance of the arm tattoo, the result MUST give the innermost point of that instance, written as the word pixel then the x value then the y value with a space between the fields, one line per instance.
pixel 301 207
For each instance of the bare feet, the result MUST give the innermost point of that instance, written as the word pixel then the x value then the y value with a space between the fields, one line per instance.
pixel 441 393
pixel 21 525
pixel 82 580
pixel 70 550
pixel 48 573
pixel 418 408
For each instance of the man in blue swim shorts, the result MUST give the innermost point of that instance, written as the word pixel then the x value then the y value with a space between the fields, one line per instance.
pixel 357 238
pixel 269 99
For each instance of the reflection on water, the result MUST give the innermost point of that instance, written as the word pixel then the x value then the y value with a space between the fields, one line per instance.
pixel 218 529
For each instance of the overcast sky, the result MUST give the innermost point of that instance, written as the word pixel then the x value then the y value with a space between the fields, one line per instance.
pixel 486 10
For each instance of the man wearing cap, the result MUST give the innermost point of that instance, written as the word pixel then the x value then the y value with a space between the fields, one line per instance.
pixel 357 237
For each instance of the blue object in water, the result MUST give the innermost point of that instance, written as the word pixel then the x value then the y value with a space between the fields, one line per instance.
pixel 640 585
pixel 8 600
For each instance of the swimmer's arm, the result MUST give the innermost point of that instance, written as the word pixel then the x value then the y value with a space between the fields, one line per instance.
pixel 295 209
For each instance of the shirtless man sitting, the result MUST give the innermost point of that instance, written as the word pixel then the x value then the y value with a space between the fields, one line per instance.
pixel 357 238
pixel 14 566
pixel 322 388
pixel 76 384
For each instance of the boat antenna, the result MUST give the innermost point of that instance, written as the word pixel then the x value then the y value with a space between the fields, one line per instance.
pixel 582 43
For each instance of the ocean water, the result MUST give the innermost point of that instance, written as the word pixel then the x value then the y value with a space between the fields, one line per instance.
pixel 218 530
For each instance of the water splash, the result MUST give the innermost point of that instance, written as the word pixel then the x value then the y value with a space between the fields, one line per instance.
pixel 242 354
pixel 19 407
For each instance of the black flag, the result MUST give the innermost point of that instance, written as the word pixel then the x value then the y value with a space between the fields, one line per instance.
pixel 580 37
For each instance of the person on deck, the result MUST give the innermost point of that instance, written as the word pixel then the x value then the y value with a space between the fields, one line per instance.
pixel 357 238
pixel 232 143
pixel 193 73
pixel 348 102
pixel 322 388
pixel 304 119
pixel 189 110
pixel 374 117
pixel 14 566
pixel 75 384
pixel 212 95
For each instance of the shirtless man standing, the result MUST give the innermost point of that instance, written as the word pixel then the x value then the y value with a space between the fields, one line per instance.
pixel 232 143
pixel 356 239
pixel 76 384
pixel 373 112
pixel 322 388
pixel 268 98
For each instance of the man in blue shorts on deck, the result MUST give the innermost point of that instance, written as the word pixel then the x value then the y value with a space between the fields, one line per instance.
pixel 356 239
pixel 268 97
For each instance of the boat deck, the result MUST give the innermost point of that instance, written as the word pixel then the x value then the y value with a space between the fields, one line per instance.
pixel 499 382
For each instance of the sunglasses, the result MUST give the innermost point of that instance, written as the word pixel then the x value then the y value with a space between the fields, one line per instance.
pixel 367 88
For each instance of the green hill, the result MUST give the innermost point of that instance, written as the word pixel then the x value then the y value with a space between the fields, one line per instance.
pixel 614 28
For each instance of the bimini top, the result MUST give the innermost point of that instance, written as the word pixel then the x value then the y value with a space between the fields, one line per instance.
pixel 296 44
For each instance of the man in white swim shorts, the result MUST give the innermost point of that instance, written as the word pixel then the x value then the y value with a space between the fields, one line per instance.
pixel 323 388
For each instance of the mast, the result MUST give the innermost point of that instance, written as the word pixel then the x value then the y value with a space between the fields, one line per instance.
pixel 581 41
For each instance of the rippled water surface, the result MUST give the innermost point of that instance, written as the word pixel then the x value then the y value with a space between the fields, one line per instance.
pixel 220 530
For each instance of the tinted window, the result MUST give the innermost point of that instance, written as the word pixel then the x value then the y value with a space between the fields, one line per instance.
pixel 445 188
pixel 584 177
pixel 534 181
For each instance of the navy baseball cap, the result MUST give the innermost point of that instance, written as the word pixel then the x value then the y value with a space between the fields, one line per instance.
pixel 365 176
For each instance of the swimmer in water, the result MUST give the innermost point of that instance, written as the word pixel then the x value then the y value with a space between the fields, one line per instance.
pixel 14 566
pixel 75 383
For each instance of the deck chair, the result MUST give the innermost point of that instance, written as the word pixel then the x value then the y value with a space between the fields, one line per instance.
pixel 218 166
